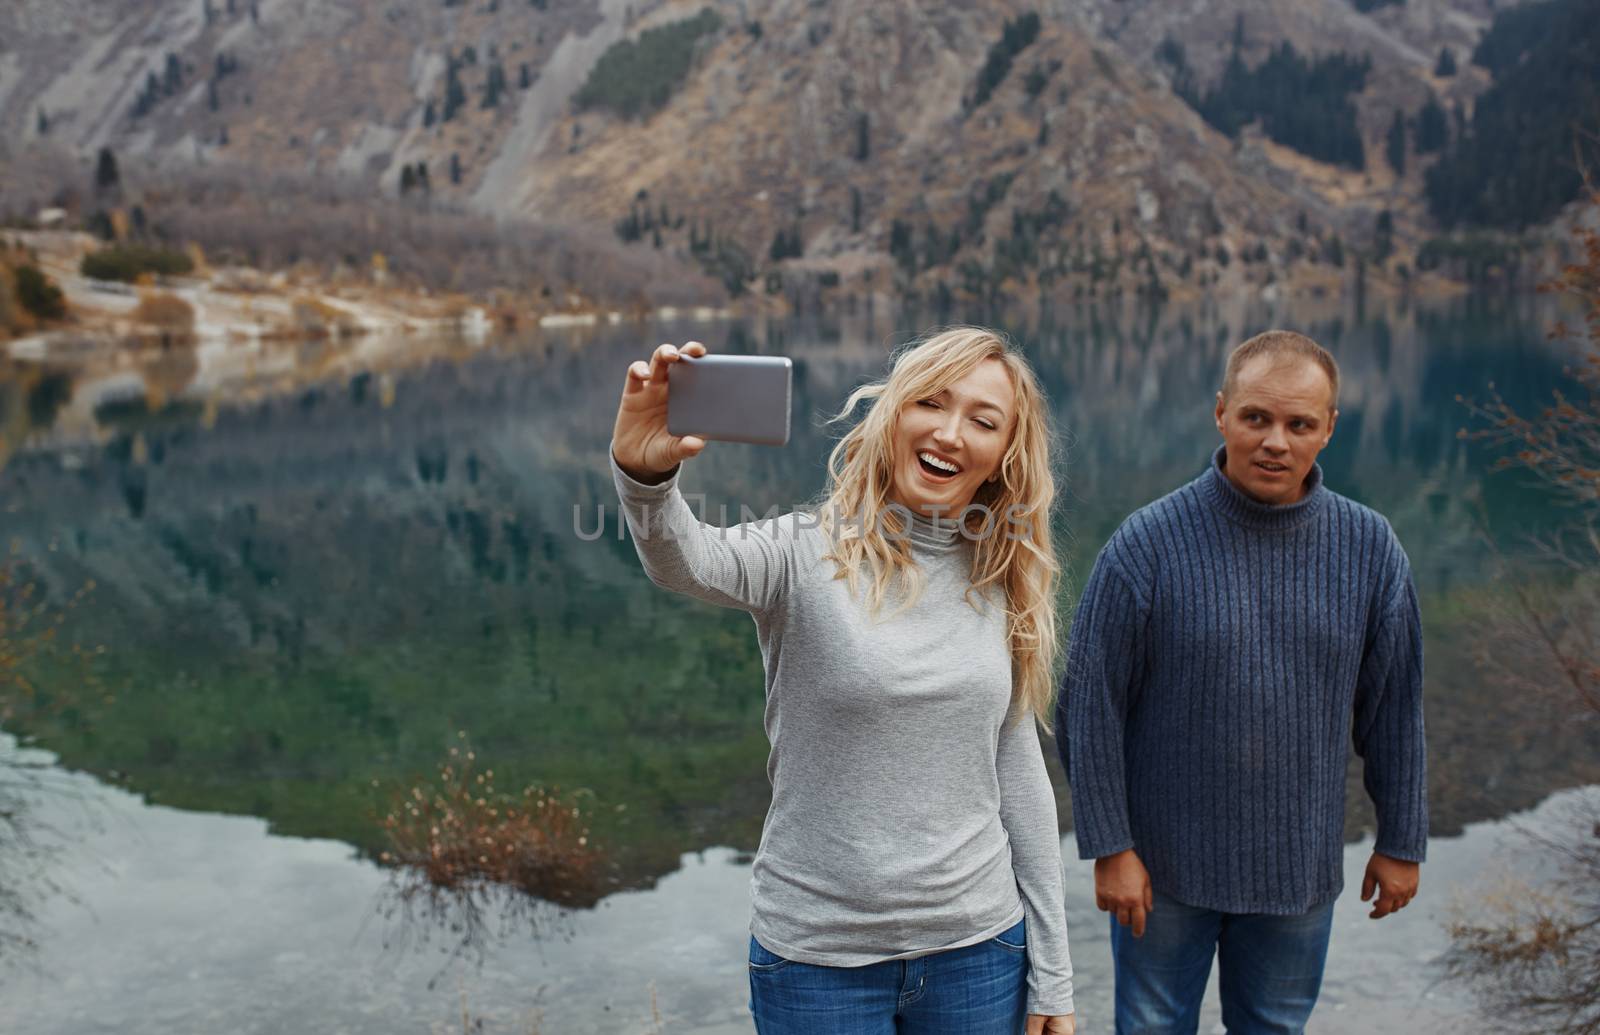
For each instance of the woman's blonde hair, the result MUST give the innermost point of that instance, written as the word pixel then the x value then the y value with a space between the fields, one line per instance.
pixel 1013 550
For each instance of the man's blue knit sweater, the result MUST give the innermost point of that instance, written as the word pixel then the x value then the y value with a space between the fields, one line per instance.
pixel 1222 652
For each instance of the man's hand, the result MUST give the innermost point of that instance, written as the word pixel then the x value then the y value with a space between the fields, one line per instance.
pixel 1395 881
pixel 1039 1024
pixel 1122 888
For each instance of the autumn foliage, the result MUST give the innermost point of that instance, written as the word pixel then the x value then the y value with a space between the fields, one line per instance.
pixel 459 831
pixel 1531 950
pixel 472 863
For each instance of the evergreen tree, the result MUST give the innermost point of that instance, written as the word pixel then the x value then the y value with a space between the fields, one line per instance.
pixel 38 294
pixel 1395 147
pixel 106 175
pixel 1446 65
pixel 1017 35
pixel 635 77
pixel 524 76
pixel 455 95
pixel 863 140
pixel 855 210
pixel 1035 81
pixel 1433 129
pixel 494 86
pixel 1383 236
pixel 172 82
pixel 900 245
pixel 408 180
pixel 786 244
pixel 148 96
pixel 42 123
pixel 1513 164
pixel 1303 104
pixel 455 168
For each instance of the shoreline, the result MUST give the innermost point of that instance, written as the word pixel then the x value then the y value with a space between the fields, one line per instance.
pixel 244 306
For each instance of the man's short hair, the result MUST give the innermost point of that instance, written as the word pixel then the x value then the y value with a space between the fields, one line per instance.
pixel 1281 344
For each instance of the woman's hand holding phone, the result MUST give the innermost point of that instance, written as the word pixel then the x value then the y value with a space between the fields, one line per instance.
pixel 643 447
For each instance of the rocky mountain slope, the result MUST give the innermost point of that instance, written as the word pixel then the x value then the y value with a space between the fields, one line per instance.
pixel 813 148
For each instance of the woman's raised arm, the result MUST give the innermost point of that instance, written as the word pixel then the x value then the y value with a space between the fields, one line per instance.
pixel 747 566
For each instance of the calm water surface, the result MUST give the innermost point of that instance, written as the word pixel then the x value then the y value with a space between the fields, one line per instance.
pixel 314 569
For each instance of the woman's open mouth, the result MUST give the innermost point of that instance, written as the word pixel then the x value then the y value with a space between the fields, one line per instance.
pixel 937 467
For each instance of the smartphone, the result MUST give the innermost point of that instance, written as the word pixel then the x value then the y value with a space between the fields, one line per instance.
pixel 730 398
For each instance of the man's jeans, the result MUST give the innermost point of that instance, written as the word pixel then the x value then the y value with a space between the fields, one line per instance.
pixel 1271 969
pixel 981 989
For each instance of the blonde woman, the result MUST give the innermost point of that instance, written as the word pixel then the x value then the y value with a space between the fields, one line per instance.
pixel 909 873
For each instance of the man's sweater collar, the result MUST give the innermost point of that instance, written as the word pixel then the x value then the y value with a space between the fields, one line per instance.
pixel 1227 498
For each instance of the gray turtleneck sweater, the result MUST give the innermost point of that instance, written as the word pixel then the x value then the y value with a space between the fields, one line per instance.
pixel 1224 655
pixel 911 812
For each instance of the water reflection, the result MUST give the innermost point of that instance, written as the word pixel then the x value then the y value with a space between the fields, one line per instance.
pixel 314 585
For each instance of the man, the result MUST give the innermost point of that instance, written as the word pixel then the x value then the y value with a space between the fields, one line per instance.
pixel 1231 636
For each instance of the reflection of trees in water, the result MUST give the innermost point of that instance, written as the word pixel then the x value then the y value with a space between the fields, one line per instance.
pixel 321 582
pixel 31 396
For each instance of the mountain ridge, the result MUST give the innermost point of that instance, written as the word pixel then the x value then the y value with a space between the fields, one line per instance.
pixel 814 150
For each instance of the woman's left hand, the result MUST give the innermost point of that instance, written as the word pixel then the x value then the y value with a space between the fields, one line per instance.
pixel 1039 1024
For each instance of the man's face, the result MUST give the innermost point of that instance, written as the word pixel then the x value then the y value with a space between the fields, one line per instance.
pixel 1275 422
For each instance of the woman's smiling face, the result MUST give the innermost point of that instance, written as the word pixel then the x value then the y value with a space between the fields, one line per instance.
pixel 948 444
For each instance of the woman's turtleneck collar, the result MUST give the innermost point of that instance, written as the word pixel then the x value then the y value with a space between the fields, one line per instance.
pixel 937 535
pixel 1232 501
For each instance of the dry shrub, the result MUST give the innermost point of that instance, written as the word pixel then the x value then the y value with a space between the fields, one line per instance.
pixel 470 858
pixel 1531 952
pixel 1534 962
pixel 13 320
pixel 166 312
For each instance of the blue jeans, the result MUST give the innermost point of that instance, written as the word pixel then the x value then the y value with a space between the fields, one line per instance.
pixel 981 989
pixel 1271 969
